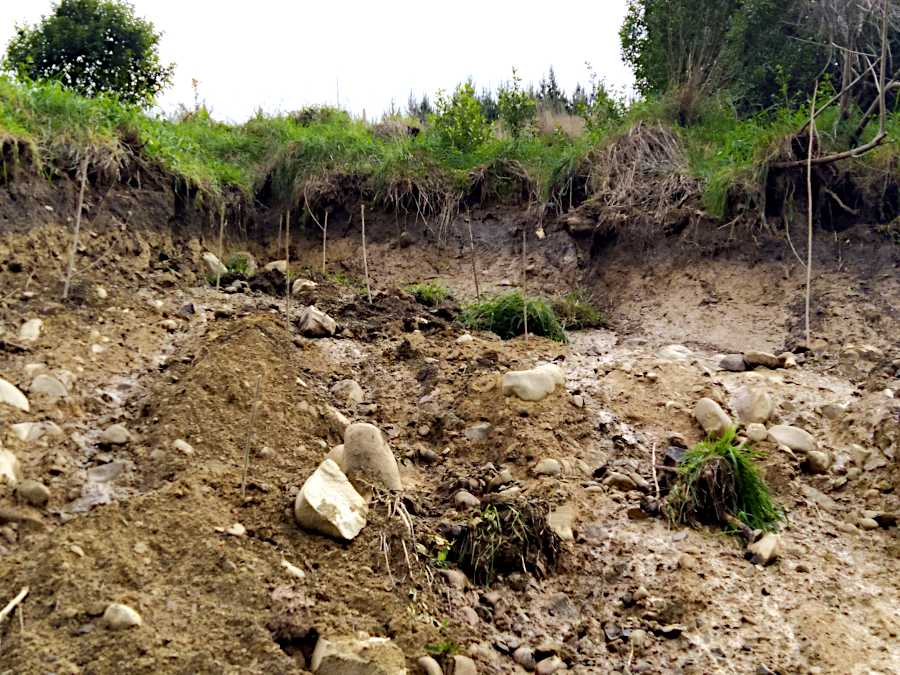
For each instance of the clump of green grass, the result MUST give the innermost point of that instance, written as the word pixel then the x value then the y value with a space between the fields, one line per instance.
pixel 576 311
pixel 239 263
pixel 443 648
pixel 717 478
pixel 429 294
pixel 504 315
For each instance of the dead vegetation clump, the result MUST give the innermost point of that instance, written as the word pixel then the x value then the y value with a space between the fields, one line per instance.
pixel 505 538
pixel 640 184
pixel 502 179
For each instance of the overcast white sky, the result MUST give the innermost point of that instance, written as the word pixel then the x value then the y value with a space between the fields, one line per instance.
pixel 281 55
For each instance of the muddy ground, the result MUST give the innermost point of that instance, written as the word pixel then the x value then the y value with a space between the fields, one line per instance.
pixel 145 341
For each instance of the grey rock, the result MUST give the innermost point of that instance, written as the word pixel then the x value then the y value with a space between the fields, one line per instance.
pixel 30 331
pixel 478 433
pixel 711 416
pixel 549 665
pixel 463 665
pixel 213 265
pixel 753 404
pixel 47 385
pixel 639 639
pixel 429 666
pixel 348 391
pixel 116 434
pixel 276 265
pixel 620 481
pixel 464 500
pixel 465 339
pixel 33 493
pixel 675 353
pixel 817 461
pixel 733 362
pixel 547 467
pixel 562 521
pixel 524 656
pixel 867 524
pixel 533 385
pixel 301 285
pixel 455 578
pixel 833 411
pixel 767 550
pixel 336 420
pixel 792 437
pixel 757 432
pixel 316 324
pixel 369 459
pixel 183 446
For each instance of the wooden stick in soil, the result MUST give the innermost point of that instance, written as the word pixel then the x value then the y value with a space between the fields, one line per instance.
pixel 74 250
pixel 251 434
pixel 362 209
pixel 287 268
pixel 524 287
pixel 221 245
pixel 324 242
pixel 12 604
pixel 809 197
pixel 474 259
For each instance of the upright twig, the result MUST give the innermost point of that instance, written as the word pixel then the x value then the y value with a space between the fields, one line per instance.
pixel 362 209
pixel 324 242
pixel 221 245
pixel 12 604
pixel 74 250
pixel 474 258
pixel 809 197
pixel 251 433
pixel 287 268
pixel 653 469
pixel 524 285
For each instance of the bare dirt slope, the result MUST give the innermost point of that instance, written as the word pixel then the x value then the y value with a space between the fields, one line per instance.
pixel 147 523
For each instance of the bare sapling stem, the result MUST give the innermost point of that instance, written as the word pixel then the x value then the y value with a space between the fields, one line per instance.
pixel 221 245
pixel 287 267
pixel 324 242
pixel 278 240
pixel 524 285
pixel 251 435
pixel 809 198
pixel 12 604
pixel 74 250
pixel 362 209
pixel 474 259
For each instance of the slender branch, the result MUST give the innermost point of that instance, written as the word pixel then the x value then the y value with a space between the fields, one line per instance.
pixel 221 245
pixel 12 604
pixel 524 285
pixel 74 250
pixel 362 210
pixel 809 196
pixel 251 433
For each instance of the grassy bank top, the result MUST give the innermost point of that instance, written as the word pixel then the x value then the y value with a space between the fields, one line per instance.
pixel 294 155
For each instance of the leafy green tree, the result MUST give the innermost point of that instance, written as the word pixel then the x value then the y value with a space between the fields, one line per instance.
pixel 93 47
pixel 517 109
pixel 459 122
pixel 549 93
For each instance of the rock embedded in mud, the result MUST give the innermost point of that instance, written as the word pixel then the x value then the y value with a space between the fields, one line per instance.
pixel 533 385
pixel 792 437
pixel 524 656
pixel 301 285
pixel 867 524
pixel 33 493
pixel 29 432
pixel 787 360
pixel 465 339
pixel 620 481
pixel 47 385
pixel 11 396
pixel 316 324
pixel 277 266
pixel 348 391
pixel 116 434
pixel 213 265
pixel 733 363
pixel 753 404
pixel 336 455
pixel 10 469
pixel 463 665
pixel 562 521
pixel 711 417
pixel 429 666
pixel 549 665
pixel 547 467
pixel 328 503
pixel 30 331
pixel 121 617
pixel 478 433
pixel 336 420
pixel 757 432
pixel 817 462
pixel 464 500
pixel 455 578
pixel 357 656
pixel 183 446
pixel 765 359
pixel 767 550
pixel 368 458
pixel 675 353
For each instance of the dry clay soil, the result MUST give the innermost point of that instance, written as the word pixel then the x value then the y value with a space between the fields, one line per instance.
pixel 163 353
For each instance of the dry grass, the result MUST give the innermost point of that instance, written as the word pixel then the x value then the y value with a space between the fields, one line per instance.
pixel 548 122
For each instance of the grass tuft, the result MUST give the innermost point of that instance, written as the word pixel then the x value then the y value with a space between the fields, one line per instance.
pixel 503 315
pixel 576 311
pixel 429 294
pixel 718 478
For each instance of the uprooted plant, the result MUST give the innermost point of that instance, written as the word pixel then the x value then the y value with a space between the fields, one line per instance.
pixel 507 538
pixel 718 480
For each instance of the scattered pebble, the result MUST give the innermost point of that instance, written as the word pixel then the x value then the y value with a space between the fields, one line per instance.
pixel 116 434
pixel 121 617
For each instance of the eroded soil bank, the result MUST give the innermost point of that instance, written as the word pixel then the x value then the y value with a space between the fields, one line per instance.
pixel 147 343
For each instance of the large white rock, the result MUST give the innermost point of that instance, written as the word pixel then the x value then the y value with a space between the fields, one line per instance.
pixel 532 385
pixel 214 265
pixel 301 285
pixel 10 395
pixel 30 331
pixel 328 503
pixel 767 550
pixel 315 323
pixel 792 437
pixel 711 417
pixel 121 617
pixel 368 458
pixel 277 265
pixel 357 656
pixel 10 471
pixel 49 386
